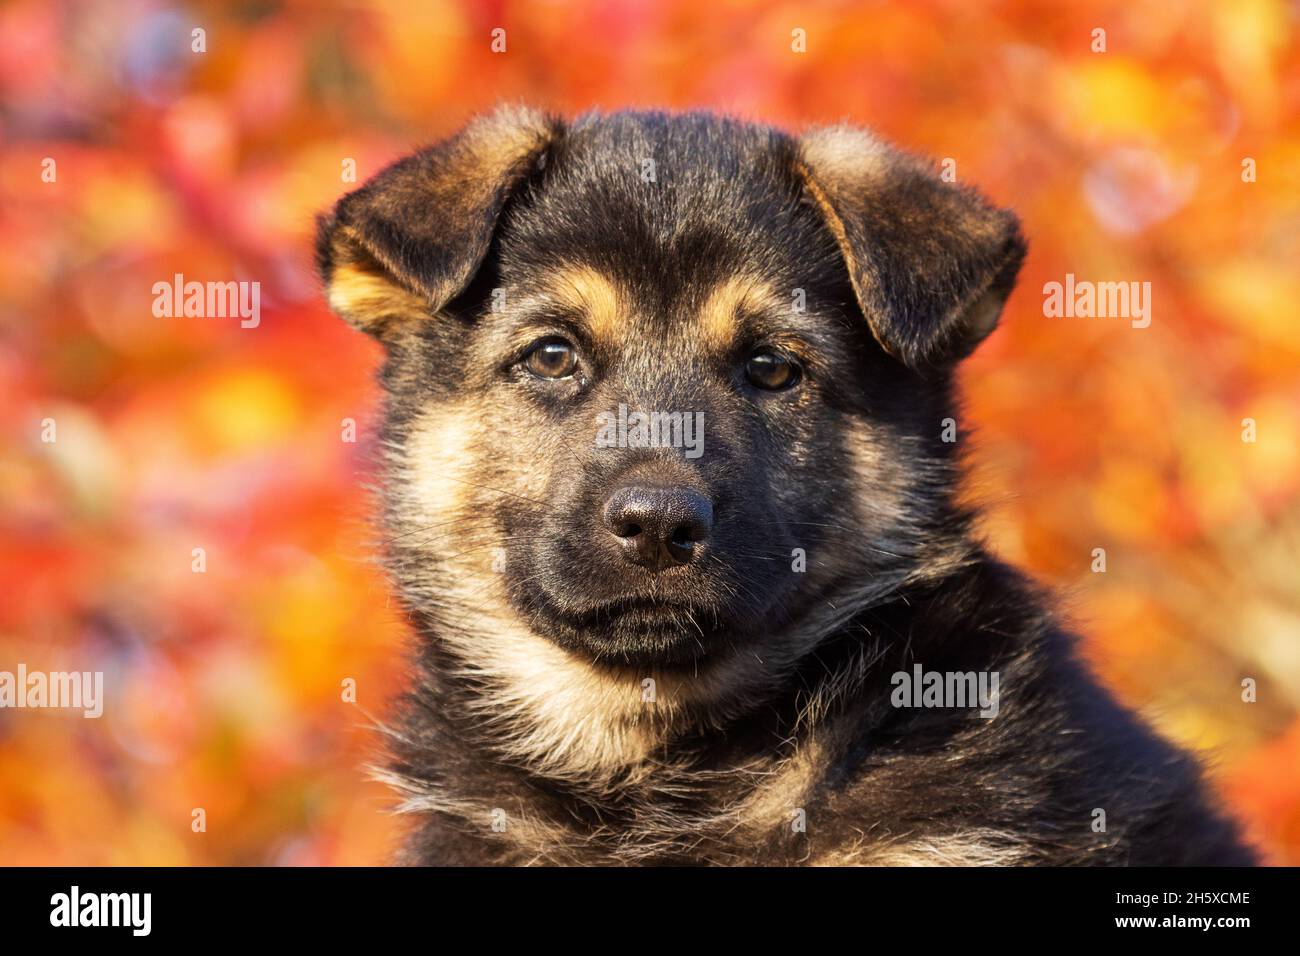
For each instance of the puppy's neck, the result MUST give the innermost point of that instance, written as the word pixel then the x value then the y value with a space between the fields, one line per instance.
pixel 545 710
pixel 537 707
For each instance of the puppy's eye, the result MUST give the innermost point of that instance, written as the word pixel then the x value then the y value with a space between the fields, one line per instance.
pixel 552 358
pixel 772 371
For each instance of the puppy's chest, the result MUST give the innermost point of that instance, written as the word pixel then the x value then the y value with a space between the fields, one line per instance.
pixel 802 809
pixel 660 831
pixel 764 814
pixel 744 834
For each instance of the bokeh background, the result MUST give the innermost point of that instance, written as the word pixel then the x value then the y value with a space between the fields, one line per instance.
pixel 175 433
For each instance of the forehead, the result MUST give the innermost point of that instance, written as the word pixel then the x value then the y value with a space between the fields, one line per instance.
pixel 666 221
pixel 711 314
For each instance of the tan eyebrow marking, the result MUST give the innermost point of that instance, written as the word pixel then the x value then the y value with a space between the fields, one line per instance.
pixel 591 293
pixel 719 319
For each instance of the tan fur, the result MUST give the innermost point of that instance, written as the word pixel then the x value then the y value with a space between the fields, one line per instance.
pixel 718 322
pixel 364 293
pixel 788 787
pixel 499 139
pixel 967 849
pixel 436 464
pixel 845 154
pixel 594 295
pixel 539 839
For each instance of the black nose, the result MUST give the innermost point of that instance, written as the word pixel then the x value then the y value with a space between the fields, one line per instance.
pixel 658 527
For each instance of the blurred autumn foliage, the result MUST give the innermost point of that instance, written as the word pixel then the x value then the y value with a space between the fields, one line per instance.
pixel 180 433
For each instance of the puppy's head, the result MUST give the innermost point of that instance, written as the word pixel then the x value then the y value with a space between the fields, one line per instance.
pixel 665 391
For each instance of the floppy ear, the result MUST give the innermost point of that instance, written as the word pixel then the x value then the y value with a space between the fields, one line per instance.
pixel 931 263
pixel 410 240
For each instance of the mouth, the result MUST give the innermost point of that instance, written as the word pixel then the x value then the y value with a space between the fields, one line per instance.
pixel 635 631
pixel 645 613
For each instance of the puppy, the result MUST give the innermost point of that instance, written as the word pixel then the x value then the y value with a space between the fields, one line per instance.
pixel 669 506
